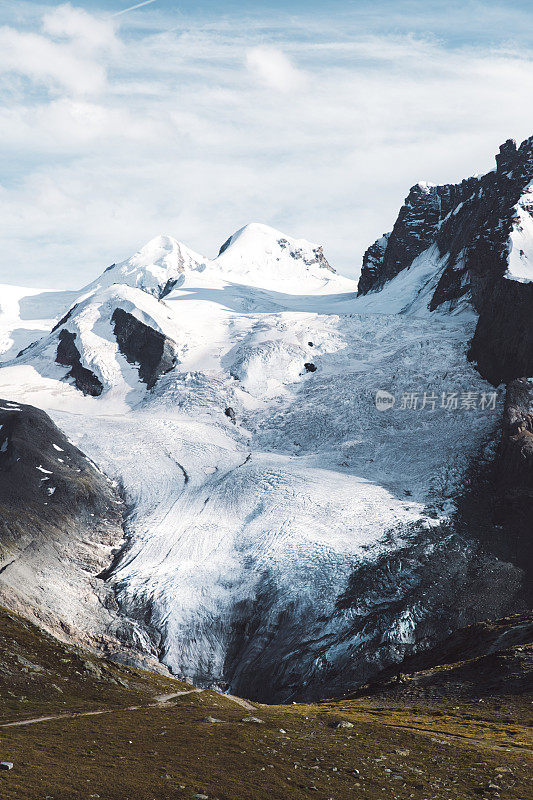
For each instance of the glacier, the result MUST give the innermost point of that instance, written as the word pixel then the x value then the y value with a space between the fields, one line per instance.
pixel 302 546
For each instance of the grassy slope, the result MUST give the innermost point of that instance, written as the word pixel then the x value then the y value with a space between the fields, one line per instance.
pixel 426 750
pixel 41 675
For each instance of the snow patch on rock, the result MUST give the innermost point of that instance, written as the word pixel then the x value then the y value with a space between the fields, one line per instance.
pixel 521 241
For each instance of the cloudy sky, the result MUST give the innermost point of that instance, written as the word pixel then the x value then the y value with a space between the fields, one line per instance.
pixel 194 118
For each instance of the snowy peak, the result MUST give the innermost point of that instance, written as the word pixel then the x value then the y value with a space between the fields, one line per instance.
pixel 139 318
pixel 263 256
pixel 256 241
pixel 156 268
pixel 256 255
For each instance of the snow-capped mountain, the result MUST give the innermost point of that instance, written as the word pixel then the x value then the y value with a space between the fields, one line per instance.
pixel 156 268
pixel 118 328
pixel 306 470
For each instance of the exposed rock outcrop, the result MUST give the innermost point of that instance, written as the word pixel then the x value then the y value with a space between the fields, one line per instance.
pixel 515 462
pixel 68 355
pixel 475 225
pixel 60 522
pixel 416 228
pixel 513 478
pixel 373 266
pixel 487 658
pixel 152 351
pixel 502 347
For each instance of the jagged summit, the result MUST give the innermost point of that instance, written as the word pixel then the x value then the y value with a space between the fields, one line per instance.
pixel 455 217
pixel 469 246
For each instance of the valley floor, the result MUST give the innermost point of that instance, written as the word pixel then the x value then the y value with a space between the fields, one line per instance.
pixel 114 732
pixel 393 750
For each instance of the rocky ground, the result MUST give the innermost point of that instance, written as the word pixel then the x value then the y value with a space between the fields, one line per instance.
pixel 159 738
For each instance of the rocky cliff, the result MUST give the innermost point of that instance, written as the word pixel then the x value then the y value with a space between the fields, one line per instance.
pixel 481 231
pixel 60 523
pixel 481 228
pixel 488 658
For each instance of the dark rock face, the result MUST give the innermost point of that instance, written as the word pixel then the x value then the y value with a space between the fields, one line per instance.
pixel 34 457
pixel 515 470
pixel 507 157
pixel 513 473
pixel 66 317
pixel 153 352
pixel 487 658
pixel 69 356
pixel 436 583
pixel 225 245
pixel 373 266
pixel 502 347
pixel 60 523
pixel 58 518
pixel 229 412
pixel 470 224
pixel 414 231
pixel 167 288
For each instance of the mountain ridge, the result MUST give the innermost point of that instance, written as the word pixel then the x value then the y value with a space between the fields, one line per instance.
pixel 482 229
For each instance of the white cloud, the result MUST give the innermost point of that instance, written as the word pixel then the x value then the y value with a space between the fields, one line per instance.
pixel 46 63
pixel 142 131
pixel 76 24
pixel 274 69
pixel 69 52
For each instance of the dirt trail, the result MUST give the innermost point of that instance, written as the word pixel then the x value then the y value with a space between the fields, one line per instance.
pixel 160 700
pixel 240 702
